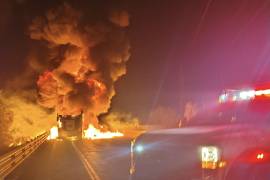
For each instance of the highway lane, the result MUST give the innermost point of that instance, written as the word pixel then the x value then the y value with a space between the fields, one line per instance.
pixel 85 159
pixel 53 160
pixel 110 158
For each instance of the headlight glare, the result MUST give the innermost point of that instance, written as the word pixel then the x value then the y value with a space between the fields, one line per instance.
pixel 139 148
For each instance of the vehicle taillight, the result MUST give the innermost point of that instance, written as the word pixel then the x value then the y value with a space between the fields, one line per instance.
pixel 256 156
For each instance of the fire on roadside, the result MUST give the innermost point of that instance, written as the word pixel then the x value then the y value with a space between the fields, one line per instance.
pixel 94 133
pixel 90 133
pixel 53 133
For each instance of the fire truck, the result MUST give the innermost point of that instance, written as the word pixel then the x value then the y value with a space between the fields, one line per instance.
pixel 230 141
pixel 70 126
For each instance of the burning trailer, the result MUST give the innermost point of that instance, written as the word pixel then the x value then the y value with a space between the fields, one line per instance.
pixel 70 126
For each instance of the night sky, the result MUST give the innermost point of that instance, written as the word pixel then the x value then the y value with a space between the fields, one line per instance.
pixel 181 50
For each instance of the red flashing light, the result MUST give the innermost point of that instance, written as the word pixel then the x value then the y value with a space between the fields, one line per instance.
pixel 243 95
pixel 260 156
pixel 256 156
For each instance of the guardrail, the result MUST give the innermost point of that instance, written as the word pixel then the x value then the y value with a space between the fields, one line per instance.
pixel 10 160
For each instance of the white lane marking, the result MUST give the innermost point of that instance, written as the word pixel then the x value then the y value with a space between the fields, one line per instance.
pixel 90 170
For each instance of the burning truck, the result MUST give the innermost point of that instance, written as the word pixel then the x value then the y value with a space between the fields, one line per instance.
pixel 83 63
pixel 70 126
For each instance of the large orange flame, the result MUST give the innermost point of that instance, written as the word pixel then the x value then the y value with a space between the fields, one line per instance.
pixel 53 133
pixel 94 133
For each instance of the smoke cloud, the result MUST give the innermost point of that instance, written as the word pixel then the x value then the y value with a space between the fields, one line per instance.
pixel 85 60
pixel 22 119
pixel 72 68
pixel 124 122
pixel 164 117
pixel 191 109
pixel 167 117
pixel 5 121
pixel 121 121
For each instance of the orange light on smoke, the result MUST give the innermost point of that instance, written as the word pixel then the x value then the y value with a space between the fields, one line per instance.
pixel 44 77
pixel 99 87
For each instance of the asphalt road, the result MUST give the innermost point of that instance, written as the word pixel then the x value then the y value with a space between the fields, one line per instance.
pixel 86 159
pixel 109 158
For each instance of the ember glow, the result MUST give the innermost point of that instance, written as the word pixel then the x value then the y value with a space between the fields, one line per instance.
pixel 53 133
pixel 94 133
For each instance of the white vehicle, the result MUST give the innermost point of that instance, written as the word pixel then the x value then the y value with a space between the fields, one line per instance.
pixel 230 141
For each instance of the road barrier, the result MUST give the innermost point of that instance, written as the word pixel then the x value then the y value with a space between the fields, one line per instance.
pixel 10 160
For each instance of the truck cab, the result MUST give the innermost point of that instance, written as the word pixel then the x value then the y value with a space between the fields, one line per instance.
pixel 228 141
pixel 70 126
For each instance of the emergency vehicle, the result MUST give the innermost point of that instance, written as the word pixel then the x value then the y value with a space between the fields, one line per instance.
pixel 228 141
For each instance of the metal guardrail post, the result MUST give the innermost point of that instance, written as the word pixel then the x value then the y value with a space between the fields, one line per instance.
pixel 10 160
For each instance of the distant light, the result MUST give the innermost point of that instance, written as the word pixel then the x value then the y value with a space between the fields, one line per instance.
pixel 237 95
pixel 259 93
pixel 222 164
pixel 234 98
pixel 139 148
pixel 262 92
pixel 242 95
pixel 267 91
pixel 245 95
pixel 222 97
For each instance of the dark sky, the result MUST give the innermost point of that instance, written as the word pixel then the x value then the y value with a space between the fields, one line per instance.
pixel 181 49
